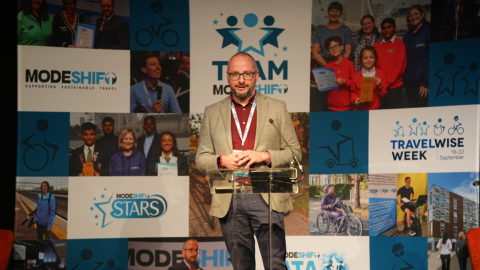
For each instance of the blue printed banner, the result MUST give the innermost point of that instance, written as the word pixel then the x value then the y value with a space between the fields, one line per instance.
pixel 98 254
pixel 159 25
pixel 382 215
pixel 398 253
pixel 454 73
pixel 339 142
pixel 42 146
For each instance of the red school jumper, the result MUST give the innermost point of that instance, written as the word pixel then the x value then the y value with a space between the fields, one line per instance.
pixel 378 93
pixel 339 100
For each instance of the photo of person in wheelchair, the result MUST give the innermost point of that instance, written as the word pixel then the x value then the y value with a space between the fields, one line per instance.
pixel 328 205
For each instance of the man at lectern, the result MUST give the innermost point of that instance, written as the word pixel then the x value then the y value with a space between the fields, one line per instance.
pixel 190 253
pixel 242 131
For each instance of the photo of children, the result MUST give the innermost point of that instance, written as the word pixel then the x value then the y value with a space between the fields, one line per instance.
pixel 42 208
pixel 128 144
pixel 397 32
pixel 339 204
pixel 160 82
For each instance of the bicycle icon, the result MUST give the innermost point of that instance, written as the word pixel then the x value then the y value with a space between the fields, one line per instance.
pixel 36 156
pixel 438 128
pixel 146 36
pixel 456 127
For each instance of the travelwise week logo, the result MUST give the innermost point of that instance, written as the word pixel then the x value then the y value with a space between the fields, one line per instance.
pixel 260 36
pixel 414 140
pixel 70 79
pixel 109 206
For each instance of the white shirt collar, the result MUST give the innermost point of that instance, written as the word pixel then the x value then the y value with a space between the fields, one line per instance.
pixel 391 40
pixel 370 73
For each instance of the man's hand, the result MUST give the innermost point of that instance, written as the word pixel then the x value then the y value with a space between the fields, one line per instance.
pixel 157 106
pixel 340 81
pixel 230 161
pixel 250 157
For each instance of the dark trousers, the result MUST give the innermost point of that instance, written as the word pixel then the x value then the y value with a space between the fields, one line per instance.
pixel 395 98
pixel 42 232
pixel 445 261
pixel 414 100
pixel 462 262
pixel 252 219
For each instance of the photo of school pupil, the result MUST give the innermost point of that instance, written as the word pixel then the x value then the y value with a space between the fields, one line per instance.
pixel 368 62
pixel 160 82
pixel 452 211
pixel 101 24
pixel 339 204
pixel 44 254
pixel 128 145
pixel 41 208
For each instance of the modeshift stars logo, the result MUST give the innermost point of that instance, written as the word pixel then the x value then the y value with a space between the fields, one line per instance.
pixel 109 206
pixel 257 35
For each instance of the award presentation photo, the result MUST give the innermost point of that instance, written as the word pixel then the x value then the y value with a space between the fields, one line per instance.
pixel 217 134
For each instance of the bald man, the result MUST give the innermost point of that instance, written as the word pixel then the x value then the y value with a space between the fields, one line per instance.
pixel 237 133
pixel 190 256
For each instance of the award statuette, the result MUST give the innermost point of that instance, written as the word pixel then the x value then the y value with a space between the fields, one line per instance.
pixel 87 169
pixel 325 78
pixel 84 36
pixel 367 88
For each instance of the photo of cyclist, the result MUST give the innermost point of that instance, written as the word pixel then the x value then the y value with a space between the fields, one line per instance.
pixel 406 193
pixel 328 204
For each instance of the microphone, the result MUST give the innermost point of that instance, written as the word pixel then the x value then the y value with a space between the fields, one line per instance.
pixel 297 162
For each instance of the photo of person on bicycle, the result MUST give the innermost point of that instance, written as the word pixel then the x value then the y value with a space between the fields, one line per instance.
pixel 328 204
pixel 406 194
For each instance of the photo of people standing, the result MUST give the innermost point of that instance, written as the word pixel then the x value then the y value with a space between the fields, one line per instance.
pixel 398 36
pixel 129 144
pixel 45 212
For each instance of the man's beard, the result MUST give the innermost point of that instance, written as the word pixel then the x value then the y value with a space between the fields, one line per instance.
pixel 245 96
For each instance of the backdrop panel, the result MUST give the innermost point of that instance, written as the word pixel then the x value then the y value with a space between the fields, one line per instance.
pixel 128 207
pixel 275 33
pixel 63 79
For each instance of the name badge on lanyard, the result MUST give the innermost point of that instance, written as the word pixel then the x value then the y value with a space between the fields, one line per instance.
pixel 243 137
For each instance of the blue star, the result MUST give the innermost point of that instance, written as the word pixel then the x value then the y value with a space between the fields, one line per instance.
pixel 96 216
pixel 229 37
pixel 103 196
pixel 215 21
pixel 285 48
pixel 91 208
pixel 272 36
pixel 99 206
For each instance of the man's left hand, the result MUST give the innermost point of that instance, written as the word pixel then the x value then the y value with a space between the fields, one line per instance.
pixel 250 157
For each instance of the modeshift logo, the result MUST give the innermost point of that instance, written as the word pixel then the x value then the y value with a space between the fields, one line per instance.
pixel 93 78
pixel 109 206
pixel 257 35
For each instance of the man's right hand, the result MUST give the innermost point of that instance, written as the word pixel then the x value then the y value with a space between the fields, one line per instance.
pixel 157 106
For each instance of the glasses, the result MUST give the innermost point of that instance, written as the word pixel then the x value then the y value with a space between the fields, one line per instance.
pixel 246 75
pixel 334 47
pixel 193 249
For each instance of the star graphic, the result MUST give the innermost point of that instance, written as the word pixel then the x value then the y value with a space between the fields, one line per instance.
pixel 229 37
pixel 215 21
pixel 100 206
pixel 285 48
pixel 252 40
pixel 272 36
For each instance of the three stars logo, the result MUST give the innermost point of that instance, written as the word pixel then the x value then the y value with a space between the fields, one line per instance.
pixel 251 36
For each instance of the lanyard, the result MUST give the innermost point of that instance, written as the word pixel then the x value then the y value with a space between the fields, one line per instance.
pixel 147 94
pixel 243 136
